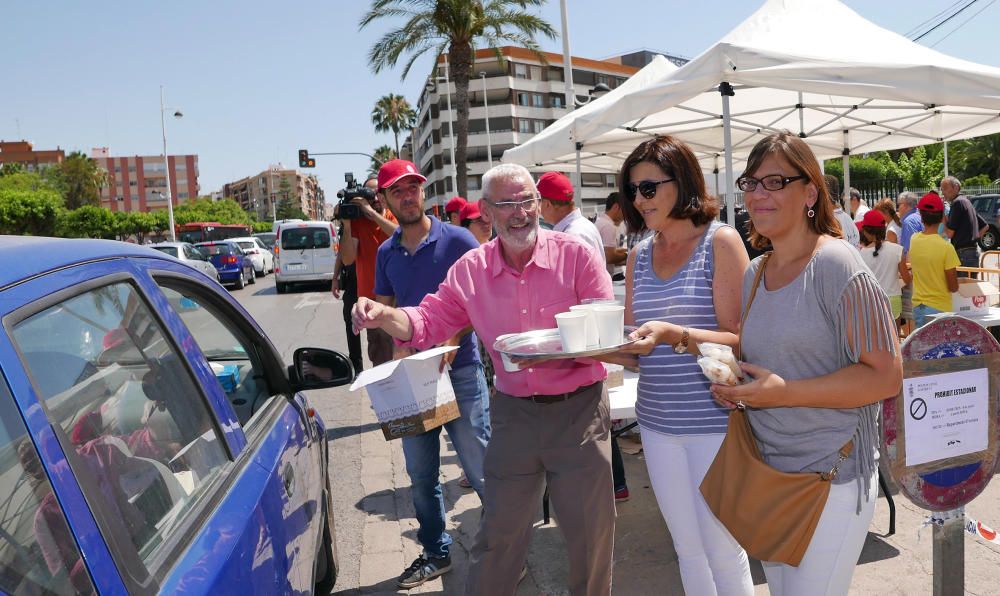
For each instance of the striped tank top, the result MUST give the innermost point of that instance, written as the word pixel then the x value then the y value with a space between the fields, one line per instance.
pixel 673 396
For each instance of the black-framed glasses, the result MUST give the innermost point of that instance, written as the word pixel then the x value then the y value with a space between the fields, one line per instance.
pixel 647 188
pixel 772 182
pixel 509 206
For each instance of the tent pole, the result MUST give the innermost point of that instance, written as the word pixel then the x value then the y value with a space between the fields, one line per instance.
pixel 846 153
pixel 578 183
pixel 715 170
pixel 946 158
pixel 726 90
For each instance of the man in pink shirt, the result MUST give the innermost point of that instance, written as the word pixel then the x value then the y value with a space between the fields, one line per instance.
pixel 551 419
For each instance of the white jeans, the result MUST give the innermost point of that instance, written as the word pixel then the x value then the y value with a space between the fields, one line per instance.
pixel 828 564
pixel 711 562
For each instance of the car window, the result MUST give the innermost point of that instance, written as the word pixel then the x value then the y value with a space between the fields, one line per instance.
pixel 37 554
pixel 237 367
pixel 247 245
pixel 170 250
pixel 303 238
pixel 216 249
pixel 137 430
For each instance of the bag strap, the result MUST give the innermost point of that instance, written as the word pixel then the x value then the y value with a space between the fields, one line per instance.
pixel 753 292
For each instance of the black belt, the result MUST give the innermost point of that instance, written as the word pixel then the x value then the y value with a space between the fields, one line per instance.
pixel 557 397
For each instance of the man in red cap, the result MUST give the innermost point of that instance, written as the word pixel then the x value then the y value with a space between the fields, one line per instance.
pixel 934 262
pixel 557 208
pixel 453 209
pixel 360 239
pixel 471 217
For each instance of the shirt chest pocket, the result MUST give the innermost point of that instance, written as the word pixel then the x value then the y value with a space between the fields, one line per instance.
pixel 547 312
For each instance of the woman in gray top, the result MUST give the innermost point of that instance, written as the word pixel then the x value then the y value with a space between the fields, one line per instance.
pixel 822 351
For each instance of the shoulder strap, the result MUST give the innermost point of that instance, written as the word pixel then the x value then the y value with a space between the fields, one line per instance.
pixel 753 292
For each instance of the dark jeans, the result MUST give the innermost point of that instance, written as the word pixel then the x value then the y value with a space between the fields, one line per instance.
pixel 969 257
pixel 617 466
pixel 349 285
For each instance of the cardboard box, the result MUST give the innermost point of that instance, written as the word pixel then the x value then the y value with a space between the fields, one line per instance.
pixel 228 375
pixel 973 296
pixel 410 396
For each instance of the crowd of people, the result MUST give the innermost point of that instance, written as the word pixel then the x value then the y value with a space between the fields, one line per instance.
pixel 815 319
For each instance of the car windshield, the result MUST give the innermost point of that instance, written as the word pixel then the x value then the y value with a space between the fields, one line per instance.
pixel 247 245
pixel 216 249
pixel 303 238
pixel 170 250
pixel 267 239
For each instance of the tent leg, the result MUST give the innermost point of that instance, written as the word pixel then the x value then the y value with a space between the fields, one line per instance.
pixel 726 90
pixel 578 183
pixel 946 158
pixel 847 171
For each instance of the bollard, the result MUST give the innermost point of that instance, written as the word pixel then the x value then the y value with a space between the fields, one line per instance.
pixel 949 552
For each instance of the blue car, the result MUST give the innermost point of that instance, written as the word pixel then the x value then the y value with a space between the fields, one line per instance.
pixel 153 440
pixel 235 267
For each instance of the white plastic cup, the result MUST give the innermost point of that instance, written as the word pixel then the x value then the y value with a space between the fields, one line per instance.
pixel 507 364
pixel 572 331
pixel 610 320
pixel 593 339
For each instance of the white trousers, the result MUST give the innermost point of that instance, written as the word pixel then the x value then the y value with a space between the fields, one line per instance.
pixel 711 561
pixel 828 564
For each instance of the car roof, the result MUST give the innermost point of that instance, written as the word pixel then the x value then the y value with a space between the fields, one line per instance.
pixel 241 239
pixel 29 256
pixel 175 244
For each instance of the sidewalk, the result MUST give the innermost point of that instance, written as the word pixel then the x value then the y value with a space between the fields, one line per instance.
pixel 377 531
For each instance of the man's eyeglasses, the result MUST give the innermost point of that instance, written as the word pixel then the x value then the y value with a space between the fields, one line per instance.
pixel 772 182
pixel 647 188
pixel 528 205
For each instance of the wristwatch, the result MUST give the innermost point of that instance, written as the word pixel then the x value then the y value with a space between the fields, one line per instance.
pixel 682 346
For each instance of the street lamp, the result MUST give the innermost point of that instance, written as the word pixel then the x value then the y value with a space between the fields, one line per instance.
pixel 432 86
pixel 486 108
pixel 166 167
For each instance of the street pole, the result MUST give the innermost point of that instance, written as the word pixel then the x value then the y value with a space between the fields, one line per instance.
pixel 166 167
pixel 451 132
pixel 486 108
pixel 567 60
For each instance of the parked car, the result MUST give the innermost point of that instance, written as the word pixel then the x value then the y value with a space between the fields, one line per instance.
pixel 260 254
pixel 153 440
pixel 188 254
pixel 986 206
pixel 306 252
pixel 234 266
pixel 268 238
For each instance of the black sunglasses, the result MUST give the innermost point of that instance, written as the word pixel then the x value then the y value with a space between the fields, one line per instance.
pixel 647 188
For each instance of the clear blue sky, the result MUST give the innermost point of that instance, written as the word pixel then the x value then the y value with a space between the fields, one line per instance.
pixel 257 80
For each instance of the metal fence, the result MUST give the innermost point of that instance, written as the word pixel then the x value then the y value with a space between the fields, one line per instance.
pixel 874 190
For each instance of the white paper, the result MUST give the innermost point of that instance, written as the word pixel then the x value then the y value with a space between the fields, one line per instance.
pixel 946 415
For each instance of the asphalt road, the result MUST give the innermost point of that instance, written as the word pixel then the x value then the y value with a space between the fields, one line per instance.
pixel 376 532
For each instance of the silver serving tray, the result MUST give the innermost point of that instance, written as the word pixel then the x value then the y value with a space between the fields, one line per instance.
pixel 545 343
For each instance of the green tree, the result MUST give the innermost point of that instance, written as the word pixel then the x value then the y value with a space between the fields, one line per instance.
pixel 135 223
pixel 393 113
pixel 29 212
pixel 918 170
pixel 980 155
pixel 977 180
pixel 261 226
pixel 7 169
pixel 226 211
pixel 81 179
pixel 382 154
pixel 28 181
pixel 455 27
pixel 288 209
pixel 88 221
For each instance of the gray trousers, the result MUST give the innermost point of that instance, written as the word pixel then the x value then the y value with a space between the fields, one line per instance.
pixel 568 446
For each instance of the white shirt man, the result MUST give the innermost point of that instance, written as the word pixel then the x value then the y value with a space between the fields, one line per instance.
pixel 611 226
pixel 557 208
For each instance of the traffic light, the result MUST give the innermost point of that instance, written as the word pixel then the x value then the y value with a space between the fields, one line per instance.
pixel 304 160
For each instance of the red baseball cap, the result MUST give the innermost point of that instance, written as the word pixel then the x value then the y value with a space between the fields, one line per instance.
pixel 455 204
pixel 873 219
pixel 395 170
pixel 931 202
pixel 470 211
pixel 555 187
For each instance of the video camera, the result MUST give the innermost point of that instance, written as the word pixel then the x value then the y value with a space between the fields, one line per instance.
pixel 346 209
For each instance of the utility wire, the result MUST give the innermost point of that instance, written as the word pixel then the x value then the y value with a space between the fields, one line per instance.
pixel 950 17
pixel 927 22
pixel 976 14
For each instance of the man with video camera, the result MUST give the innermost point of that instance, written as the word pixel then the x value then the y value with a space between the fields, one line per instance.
pixel 366 225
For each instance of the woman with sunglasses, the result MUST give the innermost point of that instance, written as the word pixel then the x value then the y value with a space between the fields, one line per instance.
pixel 683 287
pixel 821 352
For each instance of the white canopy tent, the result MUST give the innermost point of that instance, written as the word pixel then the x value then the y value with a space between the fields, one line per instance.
pixel 814 67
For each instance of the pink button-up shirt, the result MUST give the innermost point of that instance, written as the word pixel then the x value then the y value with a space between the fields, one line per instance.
pixel 481 289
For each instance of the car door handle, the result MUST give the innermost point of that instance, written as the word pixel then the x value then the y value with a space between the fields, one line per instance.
pixel 288 479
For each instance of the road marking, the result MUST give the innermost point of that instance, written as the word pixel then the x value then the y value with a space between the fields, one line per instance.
pixel 311 300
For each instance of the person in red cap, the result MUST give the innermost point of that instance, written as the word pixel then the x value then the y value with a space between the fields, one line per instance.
pixel 360 239
pixel 885 259
pixel 472 218
pixel 453 209
pixel 558 209
pixel 934 263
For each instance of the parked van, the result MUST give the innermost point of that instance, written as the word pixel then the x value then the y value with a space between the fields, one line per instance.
pixel 304 252
pixel 280 222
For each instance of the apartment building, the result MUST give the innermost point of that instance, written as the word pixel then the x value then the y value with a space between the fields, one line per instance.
pixel 24 153
pixel 516 99
pixel 261 193
pixel 139 182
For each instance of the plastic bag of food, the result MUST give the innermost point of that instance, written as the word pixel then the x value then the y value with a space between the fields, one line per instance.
pixel 719 364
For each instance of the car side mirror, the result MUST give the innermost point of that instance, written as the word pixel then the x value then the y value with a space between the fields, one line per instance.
pixel 318 368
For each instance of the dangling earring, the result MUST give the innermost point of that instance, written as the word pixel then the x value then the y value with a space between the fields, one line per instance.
pixel 811 213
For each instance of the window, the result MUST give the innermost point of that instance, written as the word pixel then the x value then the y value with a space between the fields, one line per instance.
pixel 536 73
pixel 537 101
pixel 131 168
pixel 557 101
pixel 537 126
pixel 303 238
pixel 133 183
pixel 524 99
pixel 182 195
pixel 134 424
pixel 38 553
pixel 610 180
pixel 170 250
pixel 234 361
pixel 153 166
pixel 603 79
pixel 524 125
pixel 520 71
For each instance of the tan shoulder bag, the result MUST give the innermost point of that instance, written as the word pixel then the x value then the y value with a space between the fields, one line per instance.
pixel 771 514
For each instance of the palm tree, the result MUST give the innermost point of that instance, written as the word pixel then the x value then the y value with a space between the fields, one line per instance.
pixel 381 154
pixel 980 155
pixel 393 113
pixel 456 28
